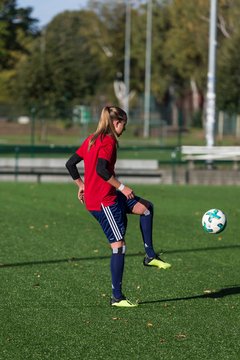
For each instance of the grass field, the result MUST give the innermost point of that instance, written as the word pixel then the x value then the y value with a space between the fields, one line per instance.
pixel 55 278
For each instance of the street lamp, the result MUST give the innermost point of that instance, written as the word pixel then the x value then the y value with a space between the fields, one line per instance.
pixel 127 54
pixel 211 96
pixel 148 70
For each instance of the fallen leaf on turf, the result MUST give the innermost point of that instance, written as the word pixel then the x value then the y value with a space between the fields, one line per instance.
pixel 149 324
pixel 181 336
pixel 208 291
pixel 36 285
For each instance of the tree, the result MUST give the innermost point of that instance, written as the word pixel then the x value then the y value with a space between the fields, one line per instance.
pixel 75 61
pixel 17 29
pixel 228 75
pixel 65 64
pixel 79 53
pixel 186 46
pixel 16 24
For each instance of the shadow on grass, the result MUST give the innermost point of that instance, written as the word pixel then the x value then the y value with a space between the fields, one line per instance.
pixel 94 258
pixel 233 290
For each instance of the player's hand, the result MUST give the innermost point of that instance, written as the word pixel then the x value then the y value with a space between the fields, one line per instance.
pixel 81 194
pixel 128 192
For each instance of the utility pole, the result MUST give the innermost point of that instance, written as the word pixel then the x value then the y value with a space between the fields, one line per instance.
pixel 148 58
pixel 127 54
pixel 211 80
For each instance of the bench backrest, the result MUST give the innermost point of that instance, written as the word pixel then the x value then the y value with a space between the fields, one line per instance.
pixel 191 150
pixel 60 163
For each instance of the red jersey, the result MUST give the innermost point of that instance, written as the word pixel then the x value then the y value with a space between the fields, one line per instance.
pixel 97 190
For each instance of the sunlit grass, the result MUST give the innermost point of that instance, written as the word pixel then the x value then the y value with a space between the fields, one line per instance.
pixel 55 278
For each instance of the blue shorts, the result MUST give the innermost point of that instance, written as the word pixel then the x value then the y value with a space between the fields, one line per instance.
pixel 113 218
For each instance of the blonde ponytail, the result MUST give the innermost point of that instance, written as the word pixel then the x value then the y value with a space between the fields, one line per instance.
pixel 105 124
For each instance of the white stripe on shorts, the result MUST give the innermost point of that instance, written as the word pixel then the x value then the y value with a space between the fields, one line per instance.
pixel 112 222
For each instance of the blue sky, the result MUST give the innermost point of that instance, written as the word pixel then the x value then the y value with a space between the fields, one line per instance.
pixel 45 10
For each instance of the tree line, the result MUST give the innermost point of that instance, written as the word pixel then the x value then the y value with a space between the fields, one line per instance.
pixel 77 56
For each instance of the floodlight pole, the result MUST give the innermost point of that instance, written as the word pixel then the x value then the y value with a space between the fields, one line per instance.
pixel 127 54
pixel 211 95
pixel 148 70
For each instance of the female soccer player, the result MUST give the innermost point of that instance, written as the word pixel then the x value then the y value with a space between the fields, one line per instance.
pixel 108 200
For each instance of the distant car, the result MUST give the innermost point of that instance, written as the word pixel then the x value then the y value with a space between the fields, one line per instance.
pixel 23 120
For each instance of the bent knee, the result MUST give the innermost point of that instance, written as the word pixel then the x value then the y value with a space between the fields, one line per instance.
pixel 143 207
pixel 118 244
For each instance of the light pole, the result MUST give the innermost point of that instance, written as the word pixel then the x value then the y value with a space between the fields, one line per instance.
pixel 33 115
pixel 147 92
pixel 127 54
pixel 211 96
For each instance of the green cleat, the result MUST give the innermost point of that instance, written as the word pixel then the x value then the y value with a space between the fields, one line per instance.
pixel 157 262
pixel 123 302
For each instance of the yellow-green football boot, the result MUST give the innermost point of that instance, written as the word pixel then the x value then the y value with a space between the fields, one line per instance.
pixel 157 262
pixel 122 302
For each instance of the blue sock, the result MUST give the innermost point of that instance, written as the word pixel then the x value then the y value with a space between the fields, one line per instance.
pixel 117 267
pixel 146 224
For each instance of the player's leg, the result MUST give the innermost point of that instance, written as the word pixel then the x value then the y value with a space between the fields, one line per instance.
pixel 144 208
pixel 114 226
pixel 117 267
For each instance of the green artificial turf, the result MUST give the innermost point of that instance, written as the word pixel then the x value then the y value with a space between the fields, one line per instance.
pixel 55 278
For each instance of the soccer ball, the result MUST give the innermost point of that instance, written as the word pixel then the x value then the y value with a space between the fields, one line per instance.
pixel 214 221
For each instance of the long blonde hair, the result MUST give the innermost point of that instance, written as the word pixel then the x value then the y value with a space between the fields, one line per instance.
pixel 105 124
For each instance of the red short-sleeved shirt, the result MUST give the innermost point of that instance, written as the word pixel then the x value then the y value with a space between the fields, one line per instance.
pixel 98 191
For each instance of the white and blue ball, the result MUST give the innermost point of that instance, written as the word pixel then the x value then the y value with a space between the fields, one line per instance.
pixel 214 221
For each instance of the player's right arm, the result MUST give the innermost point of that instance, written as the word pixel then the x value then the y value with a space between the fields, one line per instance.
pixel 127 191
pixel 71 165
pixel 105 174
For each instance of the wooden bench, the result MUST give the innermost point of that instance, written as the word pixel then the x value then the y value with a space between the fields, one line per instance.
pixel 192 154
pixel 42 169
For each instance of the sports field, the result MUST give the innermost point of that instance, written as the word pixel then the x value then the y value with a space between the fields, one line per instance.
pixel 55 278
